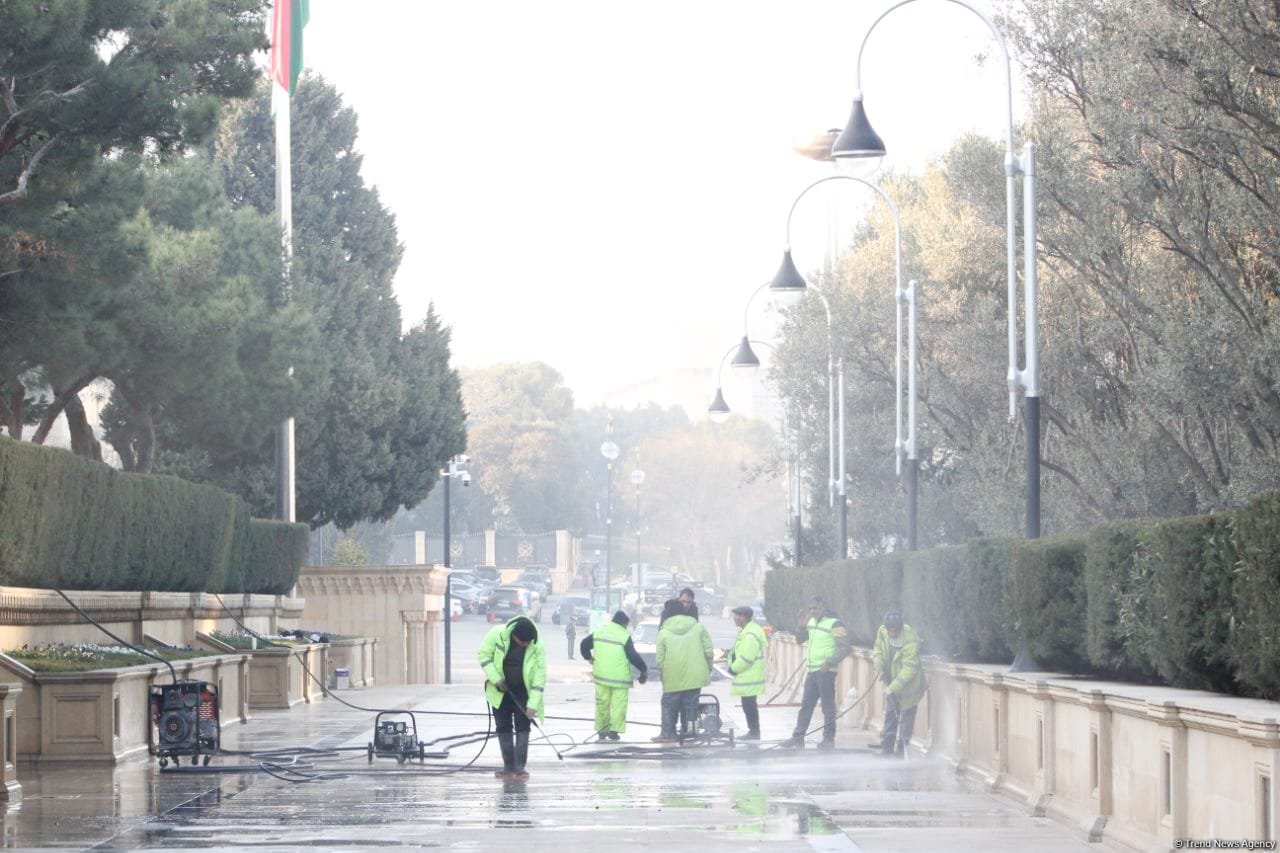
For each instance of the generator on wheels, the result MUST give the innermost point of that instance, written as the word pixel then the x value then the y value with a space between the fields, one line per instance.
pixel 396 738
pixel 708 725
pixel 184 722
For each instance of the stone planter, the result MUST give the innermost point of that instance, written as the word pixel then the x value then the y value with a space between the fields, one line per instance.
pixel 280 676
pixel 356 656
pixel 102 715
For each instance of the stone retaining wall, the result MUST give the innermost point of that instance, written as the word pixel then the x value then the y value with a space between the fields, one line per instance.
pixel 1137 766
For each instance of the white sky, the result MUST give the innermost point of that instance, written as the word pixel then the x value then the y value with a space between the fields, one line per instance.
pixel 600 185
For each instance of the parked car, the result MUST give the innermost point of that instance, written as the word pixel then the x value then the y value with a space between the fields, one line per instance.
pixel 534 581
pixel 508 601
pixel 474 598
pixel 575 607
pixel 645 640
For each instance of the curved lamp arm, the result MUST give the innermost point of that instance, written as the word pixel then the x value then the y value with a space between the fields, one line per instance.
pixel 1029 377
pixel 1004 54
pixel 901 444
pixel 718 405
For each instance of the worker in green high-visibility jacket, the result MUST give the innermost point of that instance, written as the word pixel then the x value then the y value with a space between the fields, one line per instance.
pixel 515 671
pixel 612 655
pixel 896 656
pixel 828 645
pixel 746 662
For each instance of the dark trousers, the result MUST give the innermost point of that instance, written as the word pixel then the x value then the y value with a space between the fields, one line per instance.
pixel 751 711
pixel 682 704
pixel 508 717
pixel 897 729
pixel 818 685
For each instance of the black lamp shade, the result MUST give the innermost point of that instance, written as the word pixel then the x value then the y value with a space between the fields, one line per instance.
pixel 719 409
pixel 858 139
pixel 787 279
pixel 745 357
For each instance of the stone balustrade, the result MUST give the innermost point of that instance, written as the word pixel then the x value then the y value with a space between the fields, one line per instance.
pixel 1135 765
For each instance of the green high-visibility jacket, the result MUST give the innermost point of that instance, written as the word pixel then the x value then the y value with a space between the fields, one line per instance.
pixel 828 641
pixel 492 653
pixel 684 654
pixel 746 661
pixel 906 674
pixel 609 664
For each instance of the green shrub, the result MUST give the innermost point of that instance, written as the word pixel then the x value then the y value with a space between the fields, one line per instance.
pixel 1192 563
pixel 1049 600
pixel 787 591
pixel 876 587
pixel 1254 633
pixel 69 523
pixel 982 598
pixel 1110 582
pixel 277 550
pixel 929 581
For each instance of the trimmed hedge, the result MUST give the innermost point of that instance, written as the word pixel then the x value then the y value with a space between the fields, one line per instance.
pixel 1048 600
pixel 1193 602
pixel 1255 629
pixel 1112 591
pixel 277 550
pixel 982 598
pixel 70 523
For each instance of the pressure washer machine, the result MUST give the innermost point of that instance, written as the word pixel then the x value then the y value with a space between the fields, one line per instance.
pixel 184 721
pixel 706 727
pixel 396 738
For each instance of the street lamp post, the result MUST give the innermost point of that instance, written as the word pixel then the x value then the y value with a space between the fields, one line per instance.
pixel 609 451
pixel 719 411
pixel 637 477
pixel 456 469
pixel 859 139
pixel 745 359
pixel 788 280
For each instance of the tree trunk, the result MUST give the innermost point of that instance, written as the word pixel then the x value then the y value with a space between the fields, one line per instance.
pixel 83 441
pixel 11 410
pixel 144 439
pixel 57 406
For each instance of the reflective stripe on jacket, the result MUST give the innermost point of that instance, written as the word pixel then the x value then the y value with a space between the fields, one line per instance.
pixel 493 652
pixel 906 673
pixel 609 664
pixel 746 661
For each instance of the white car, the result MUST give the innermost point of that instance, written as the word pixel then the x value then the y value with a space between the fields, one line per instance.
pixel 645 640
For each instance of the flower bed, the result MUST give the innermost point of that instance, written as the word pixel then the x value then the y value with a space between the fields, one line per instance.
pixel 82 657
pixel 281 674
pixel 100 712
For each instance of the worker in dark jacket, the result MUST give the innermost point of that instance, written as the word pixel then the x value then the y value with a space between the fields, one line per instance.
pixel 515 670
pixel 612 655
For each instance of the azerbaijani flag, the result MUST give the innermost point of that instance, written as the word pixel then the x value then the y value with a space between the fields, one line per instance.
pixel 287 20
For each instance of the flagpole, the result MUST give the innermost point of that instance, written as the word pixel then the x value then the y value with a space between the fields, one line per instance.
pixel 285 485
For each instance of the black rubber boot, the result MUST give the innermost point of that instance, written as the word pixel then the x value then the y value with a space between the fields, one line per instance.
pixel 506 743
pixel 522 755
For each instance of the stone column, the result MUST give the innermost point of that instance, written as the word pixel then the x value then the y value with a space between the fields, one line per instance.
pixel 415 646
pixel 1101 794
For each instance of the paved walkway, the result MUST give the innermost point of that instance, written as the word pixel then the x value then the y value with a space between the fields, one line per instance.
pixel 704 797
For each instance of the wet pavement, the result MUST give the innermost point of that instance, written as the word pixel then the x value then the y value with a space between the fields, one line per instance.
pixel 624 796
